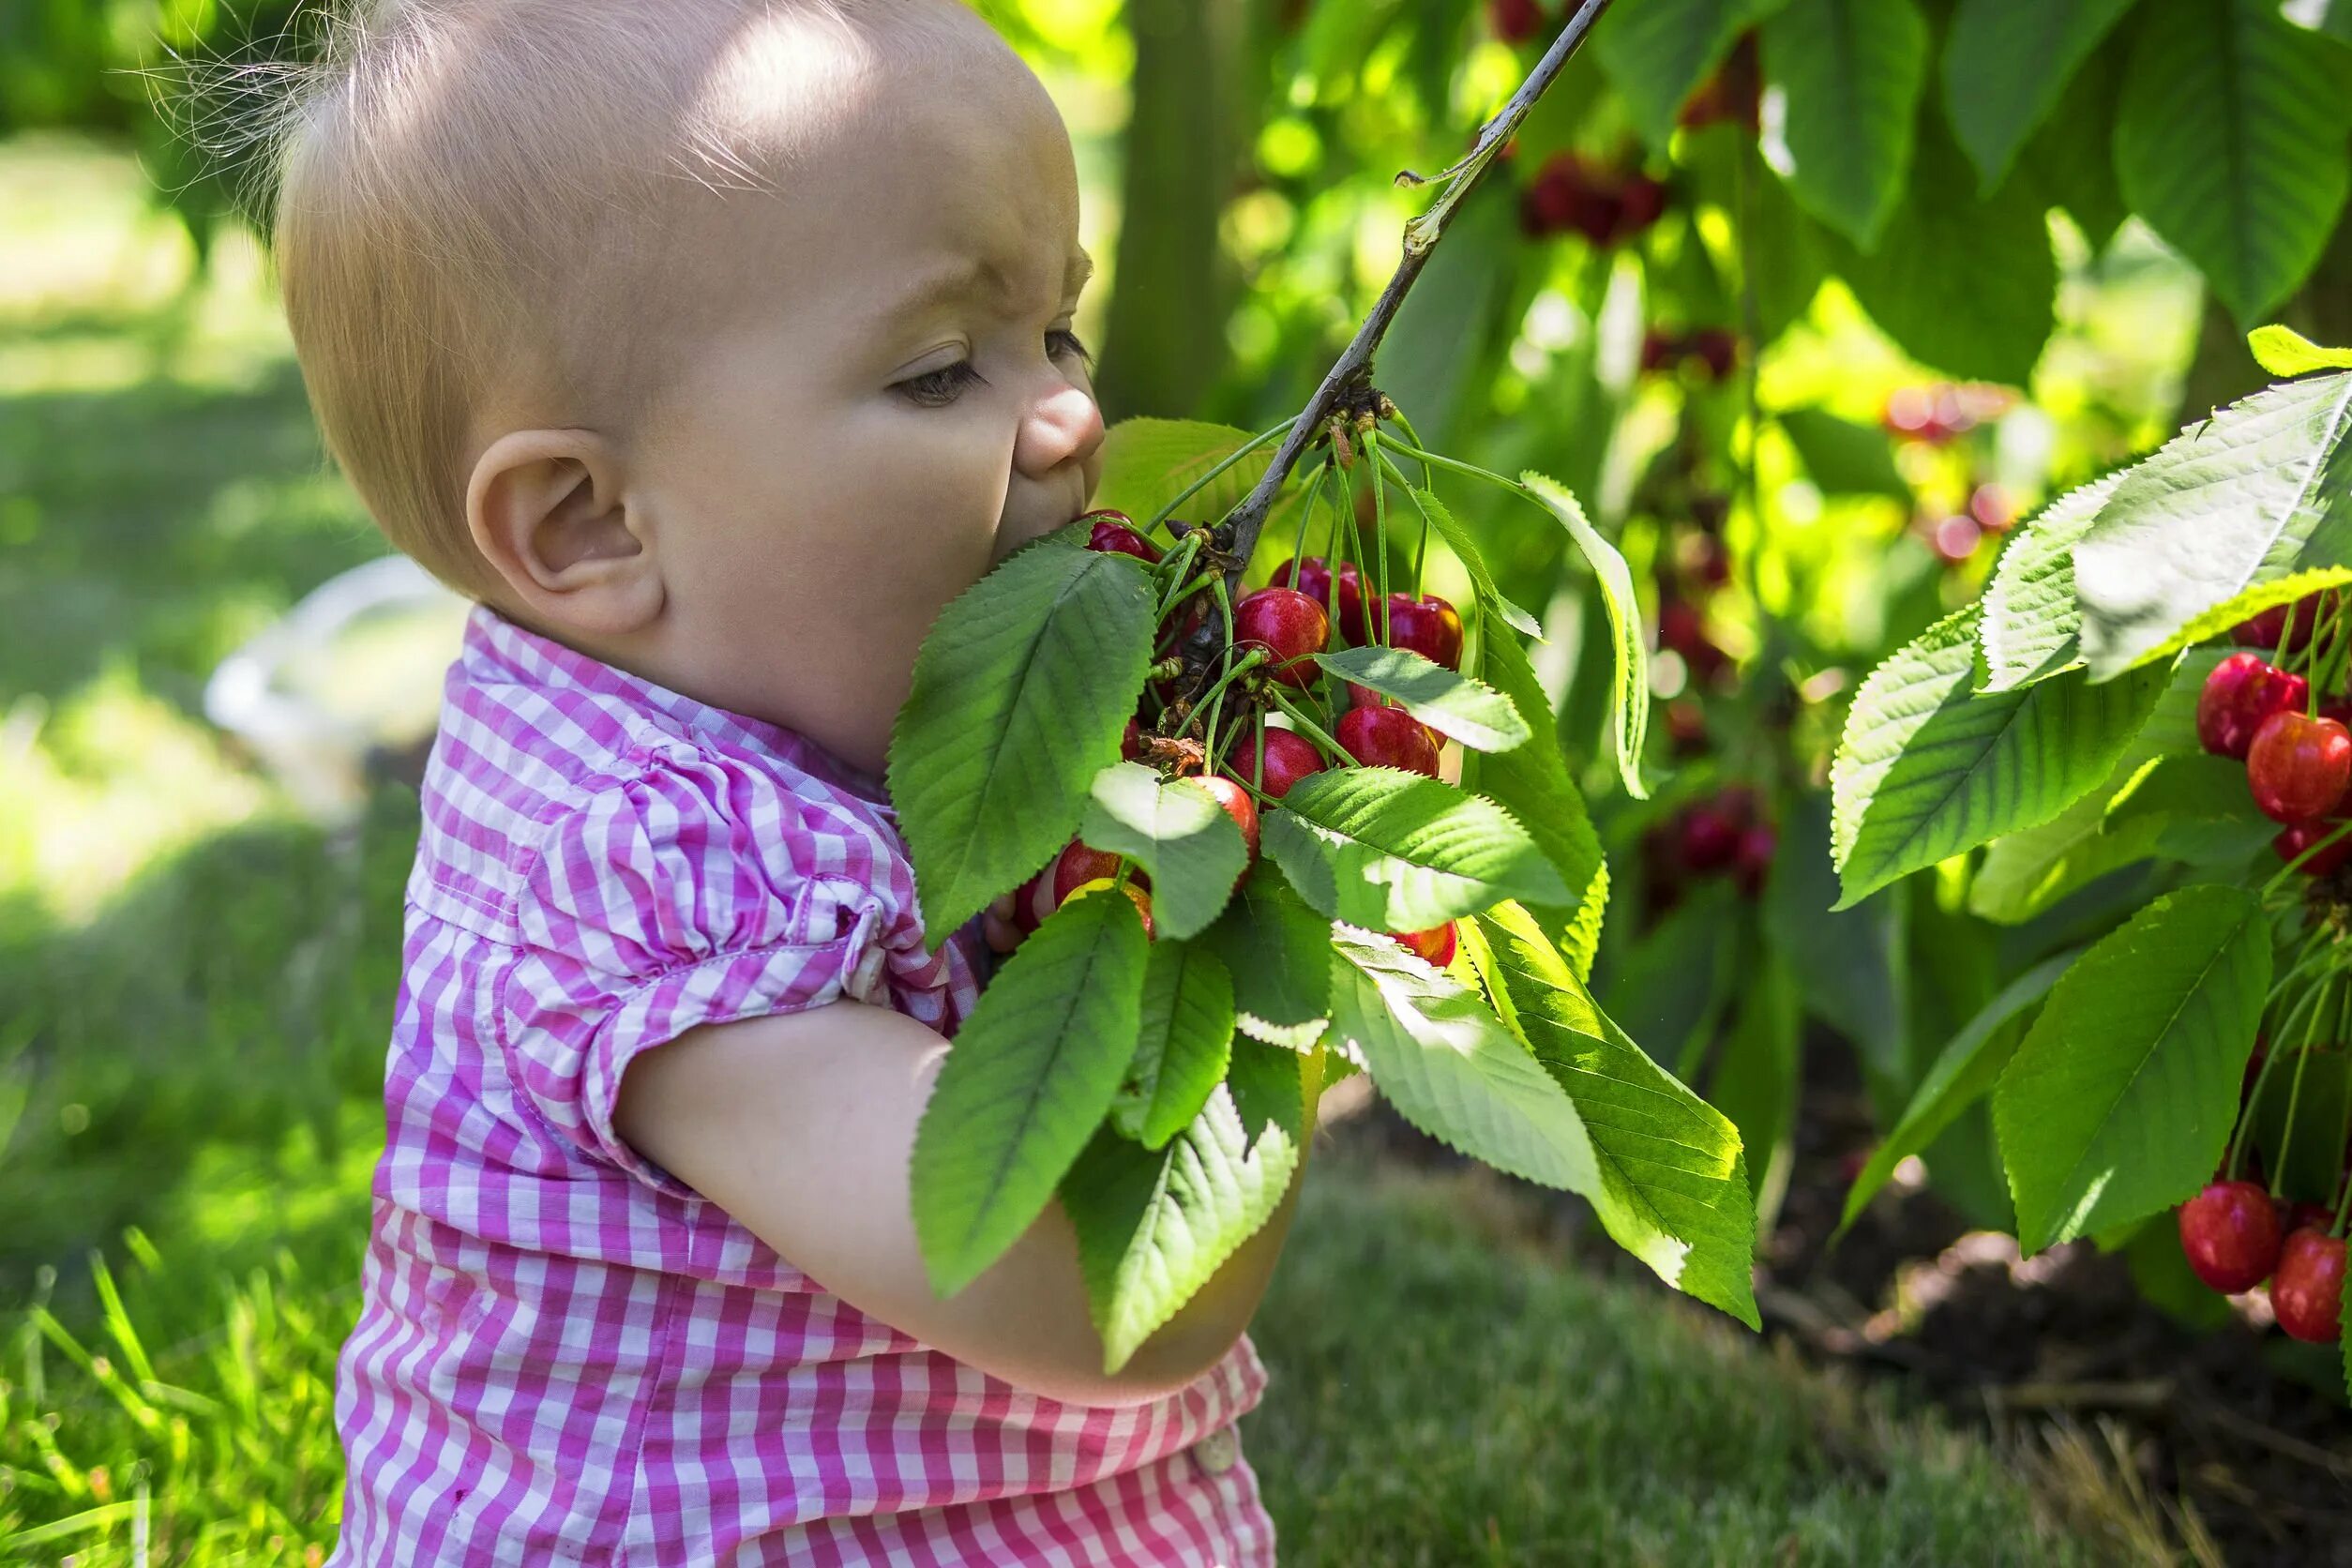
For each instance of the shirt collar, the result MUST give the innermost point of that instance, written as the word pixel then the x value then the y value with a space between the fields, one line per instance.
pixel 495 645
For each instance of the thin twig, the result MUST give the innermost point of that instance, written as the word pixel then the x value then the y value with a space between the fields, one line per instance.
pixel 1353 370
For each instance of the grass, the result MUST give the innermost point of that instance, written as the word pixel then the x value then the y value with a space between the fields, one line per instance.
pixel 195 988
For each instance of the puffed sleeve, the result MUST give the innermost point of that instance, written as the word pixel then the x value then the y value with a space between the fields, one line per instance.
pixel 695 891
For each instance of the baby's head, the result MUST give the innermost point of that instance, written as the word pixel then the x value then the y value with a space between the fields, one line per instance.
pixel 722 340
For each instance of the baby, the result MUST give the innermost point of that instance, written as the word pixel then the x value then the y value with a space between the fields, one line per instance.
pixel 711 346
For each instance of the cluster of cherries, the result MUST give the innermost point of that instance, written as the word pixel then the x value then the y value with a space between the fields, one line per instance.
pixel 1286 623
pixel 1940 413
pixel 1989 511
pixel 2297 755
pixel 1606 204
pixel 2236 1235
pixel 1724 835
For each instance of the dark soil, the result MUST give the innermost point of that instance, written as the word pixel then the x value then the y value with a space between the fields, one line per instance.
pixel 2232 1459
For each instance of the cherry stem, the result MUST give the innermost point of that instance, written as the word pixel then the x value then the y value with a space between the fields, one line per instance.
pixel 1422 553
pixel 1468 470
pixel 2326 991
pixel 1179 590
pixel 1352 371
pixel 1254 443
pixel 1316 731
pixel 1208 727
pixel 1307 516
pixel 1379 520
pixel 1216 694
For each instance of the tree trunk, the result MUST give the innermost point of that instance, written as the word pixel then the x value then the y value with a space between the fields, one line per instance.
pixel 1193 121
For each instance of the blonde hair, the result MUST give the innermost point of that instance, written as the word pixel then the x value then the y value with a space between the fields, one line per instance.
pixel 479 206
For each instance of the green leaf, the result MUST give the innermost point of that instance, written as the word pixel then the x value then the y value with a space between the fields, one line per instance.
pixel 2007 62
pixel 1788 255
pixel 1392 850
pixel 1021 693
pixel 1268 1087
pixel 1148 462
pixel 1445 328
pixel 1929 767
pixel 2025 872
pixel 1657 54
pixel 2070 162
pixel 2120 1098
pixel 1185 1042
pixel 2031 630
pixel 1457 539
pixel 2331 18
pixel 1631 689
pixel 2308 1165
pixel 1032 1070
pixel 1531 783
pixel 1844 458
pixel 2248 508
pixel 1673 1182
pixel 1469 711
pixel 1182 838
pixel 1450 1068
pixel 1154 1228
pixel 2230 142
pixel 1850 966
pixel 1846 75
pixel 2200 807
pixel 1278 953
pixel 1993 330
pixel 2284 351
pixel 1963 1073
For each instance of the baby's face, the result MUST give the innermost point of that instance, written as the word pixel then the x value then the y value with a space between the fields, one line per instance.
pixel 897 404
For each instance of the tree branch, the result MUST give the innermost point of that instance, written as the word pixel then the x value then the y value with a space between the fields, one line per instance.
pixel 1352 373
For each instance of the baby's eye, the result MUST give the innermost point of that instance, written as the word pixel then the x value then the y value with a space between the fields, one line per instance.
pixel 940 387
pixel 1061 341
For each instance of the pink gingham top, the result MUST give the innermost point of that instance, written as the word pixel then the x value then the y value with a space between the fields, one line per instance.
pixel 564 1355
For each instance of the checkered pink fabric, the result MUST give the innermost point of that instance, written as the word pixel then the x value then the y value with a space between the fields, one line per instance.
pixel 564 1355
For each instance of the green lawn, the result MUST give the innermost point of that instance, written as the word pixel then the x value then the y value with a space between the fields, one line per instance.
pixel 195 986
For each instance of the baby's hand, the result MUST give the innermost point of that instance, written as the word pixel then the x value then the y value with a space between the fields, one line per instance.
pixel 997 926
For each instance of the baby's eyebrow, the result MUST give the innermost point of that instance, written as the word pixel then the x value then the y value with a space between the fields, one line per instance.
pixel 976 277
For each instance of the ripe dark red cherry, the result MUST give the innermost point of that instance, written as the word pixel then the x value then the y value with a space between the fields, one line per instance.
pixel 1286 758
pixel 1077 866
pixel 1709 840
pixel 1567 193
pixel 1435 946
pixel 1387 738
pixel 1515 22
pixel 2230 1234
pixel 1311 575
pixel 2307 1292
pixel 2294 839
pixel 2264 629
pixel 1238 805
pixel 1026 914
pixel 2298 766
pixel 1429 626
pixel 1114 532
pixel 1291 627
pixel 1131 742
pixel 1715 348
pixel 1753 861
pixel 2243 690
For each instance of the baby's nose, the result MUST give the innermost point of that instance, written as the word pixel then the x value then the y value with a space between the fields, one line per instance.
pixel 1065 425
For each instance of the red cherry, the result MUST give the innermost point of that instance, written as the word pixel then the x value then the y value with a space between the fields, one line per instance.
pixel 1715 348
pixel 1025 911
pixel 1708 839
pixel 1435 946
pixel 2294 839
pixel 2230 1234
pixel 2297 766
pixel 1661 350
pixel 2264 629
pixel 1686 727
pixel 1753 861
pixel 1387 738
pixel 1641 203
pixel 1131 742
pixel 1284 760
pixel 1311 575
pixel 2307 1292
pixel 1291 627
pixel 2242 691
pixel 1515 22
pixel 1238 805
pixel 2306 1216
pixel 1992 509
pixel 1364 697
pixel 1429 626
pixel 1114 532
pixel 1955 537
pixel 1567 193
pixel 1076 867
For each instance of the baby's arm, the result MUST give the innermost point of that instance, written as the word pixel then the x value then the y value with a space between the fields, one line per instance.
pixel 800 1126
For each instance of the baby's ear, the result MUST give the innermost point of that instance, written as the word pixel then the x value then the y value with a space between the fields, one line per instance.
pixel 552 513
